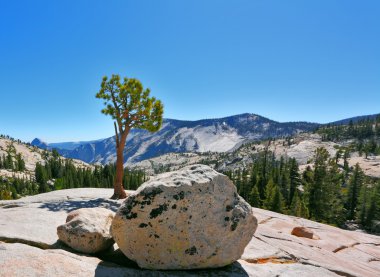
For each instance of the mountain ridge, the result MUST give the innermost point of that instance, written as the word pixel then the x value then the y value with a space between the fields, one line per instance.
pixel 204 135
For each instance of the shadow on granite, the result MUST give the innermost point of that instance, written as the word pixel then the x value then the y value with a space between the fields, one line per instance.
pixel 114 264
pixel 105 269
pixel 71 205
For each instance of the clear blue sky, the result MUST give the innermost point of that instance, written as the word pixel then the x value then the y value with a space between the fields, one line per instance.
pixel 287 60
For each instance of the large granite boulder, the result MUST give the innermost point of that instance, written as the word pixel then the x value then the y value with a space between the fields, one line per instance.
pixel 187 219
pixel 87 230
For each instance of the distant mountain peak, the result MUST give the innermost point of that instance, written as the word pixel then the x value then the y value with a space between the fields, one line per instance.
pixel 39 143
pixel 37 140
pixel 177 136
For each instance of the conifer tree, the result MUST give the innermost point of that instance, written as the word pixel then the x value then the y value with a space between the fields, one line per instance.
pixel 9 161
pixel 20 163
pixel 254 197
pixel 355 184
pixel 369 207
pixel 298 207
pixel 333 198
pixel 41 178
pixel 274 199
pixel 316 189
pixel 130 106
pixel 295 180
pixel 345 161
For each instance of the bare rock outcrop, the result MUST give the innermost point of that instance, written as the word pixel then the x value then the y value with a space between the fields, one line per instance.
pixel 304 232
pixel 29 247
pixel 187 219
pixel 87 230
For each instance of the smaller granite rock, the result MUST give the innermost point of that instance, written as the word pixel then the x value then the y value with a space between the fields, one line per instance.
pixel 304 232
pixel 87 230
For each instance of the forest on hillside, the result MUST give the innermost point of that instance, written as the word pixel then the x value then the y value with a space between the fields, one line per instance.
pixel 58 173
pixel 327 191
pixel 324 192
pixel 364 135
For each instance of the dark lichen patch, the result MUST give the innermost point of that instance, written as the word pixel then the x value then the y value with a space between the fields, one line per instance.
pixel 174 207
pixel 234 225
pixel 149 195
pixel 191 251
pixel 143 225
pixel 179 196
pixel 131 216
pixel 156 236
pixel 126 211
pixel 131 202
pixel 157 211
pixel 235 221
pixel 228 208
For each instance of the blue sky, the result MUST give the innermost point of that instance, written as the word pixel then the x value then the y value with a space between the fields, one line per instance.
pixel 287 60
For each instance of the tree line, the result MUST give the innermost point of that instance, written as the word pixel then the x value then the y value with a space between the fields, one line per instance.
pixel 324 192
pixel 57 173
pixel 12 160
pixel 366 133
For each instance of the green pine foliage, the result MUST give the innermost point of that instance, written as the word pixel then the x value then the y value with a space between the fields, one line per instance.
pixel 298 206
pixel 130 106
pixel 354 187
pixel 369 207
pixel 366 134
pixel 12 161
pixel 324 192
pixel 274 200
pixel 254 197
pixel 57 173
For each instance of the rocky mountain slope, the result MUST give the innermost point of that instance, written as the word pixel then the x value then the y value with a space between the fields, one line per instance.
pixel 215 135
pixel 301 147
pixel 30 154
pixel 29 244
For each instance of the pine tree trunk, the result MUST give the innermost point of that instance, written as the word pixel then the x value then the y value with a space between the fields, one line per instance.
pixel 119 192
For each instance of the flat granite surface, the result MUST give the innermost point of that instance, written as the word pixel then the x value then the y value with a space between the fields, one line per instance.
pixel 29 244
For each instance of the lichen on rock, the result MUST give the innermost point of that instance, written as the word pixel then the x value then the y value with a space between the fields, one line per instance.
pixel 187 219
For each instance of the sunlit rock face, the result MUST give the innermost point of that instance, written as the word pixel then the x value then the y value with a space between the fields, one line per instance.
pixel 87 230
pixel 187 219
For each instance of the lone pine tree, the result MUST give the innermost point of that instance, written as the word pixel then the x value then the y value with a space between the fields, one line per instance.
pixel 130 106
